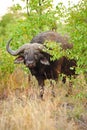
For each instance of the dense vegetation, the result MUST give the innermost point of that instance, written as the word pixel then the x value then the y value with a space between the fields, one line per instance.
pixel 21 25
pixel 41 16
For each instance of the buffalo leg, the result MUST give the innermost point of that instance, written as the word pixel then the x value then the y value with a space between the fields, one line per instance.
pixel 41 91
pixel 41 85
pixel 70 87
pixel 64 79
pixel 29 80
pixel 52 90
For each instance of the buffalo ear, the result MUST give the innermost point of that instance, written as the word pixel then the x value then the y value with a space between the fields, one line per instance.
pixel 44 61
pixel 19 59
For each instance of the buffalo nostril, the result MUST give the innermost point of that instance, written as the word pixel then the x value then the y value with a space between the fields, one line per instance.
pixel 30 64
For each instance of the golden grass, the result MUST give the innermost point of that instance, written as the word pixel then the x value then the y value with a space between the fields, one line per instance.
pixel 25 114
pixel 22 109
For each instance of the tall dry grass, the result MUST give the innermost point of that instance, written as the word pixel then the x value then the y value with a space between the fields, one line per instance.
pixel 25 114
pixel 21 109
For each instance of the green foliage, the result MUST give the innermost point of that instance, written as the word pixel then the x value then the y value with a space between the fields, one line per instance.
pixel 55 50
pixel 77 28
pixel 6 63
pixel 16 8
pixel 4 22
pixel 41 17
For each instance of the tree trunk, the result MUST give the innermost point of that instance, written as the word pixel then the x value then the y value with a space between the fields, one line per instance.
pixel 27 7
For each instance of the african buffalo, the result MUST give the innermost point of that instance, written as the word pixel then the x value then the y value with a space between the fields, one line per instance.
pixel 38 61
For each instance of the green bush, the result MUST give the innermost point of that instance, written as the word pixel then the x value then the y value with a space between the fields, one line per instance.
pixel 6 62
pixel 77 28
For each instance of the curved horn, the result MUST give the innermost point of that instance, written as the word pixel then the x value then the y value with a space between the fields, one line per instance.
pixel 37 46
pixel 22 48
pixel 15 53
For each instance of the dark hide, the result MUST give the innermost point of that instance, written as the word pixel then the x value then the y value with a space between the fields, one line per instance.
pixel 61 66
pixel 52 36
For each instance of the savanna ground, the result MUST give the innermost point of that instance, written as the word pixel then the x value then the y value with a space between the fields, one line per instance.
pixel 22 109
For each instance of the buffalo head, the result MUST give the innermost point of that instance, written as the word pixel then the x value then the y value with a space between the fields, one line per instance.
pixel 29 54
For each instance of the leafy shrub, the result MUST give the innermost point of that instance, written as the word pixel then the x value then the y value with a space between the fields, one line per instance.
pixel 6 62
pixel 55 50
pixel 77 28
